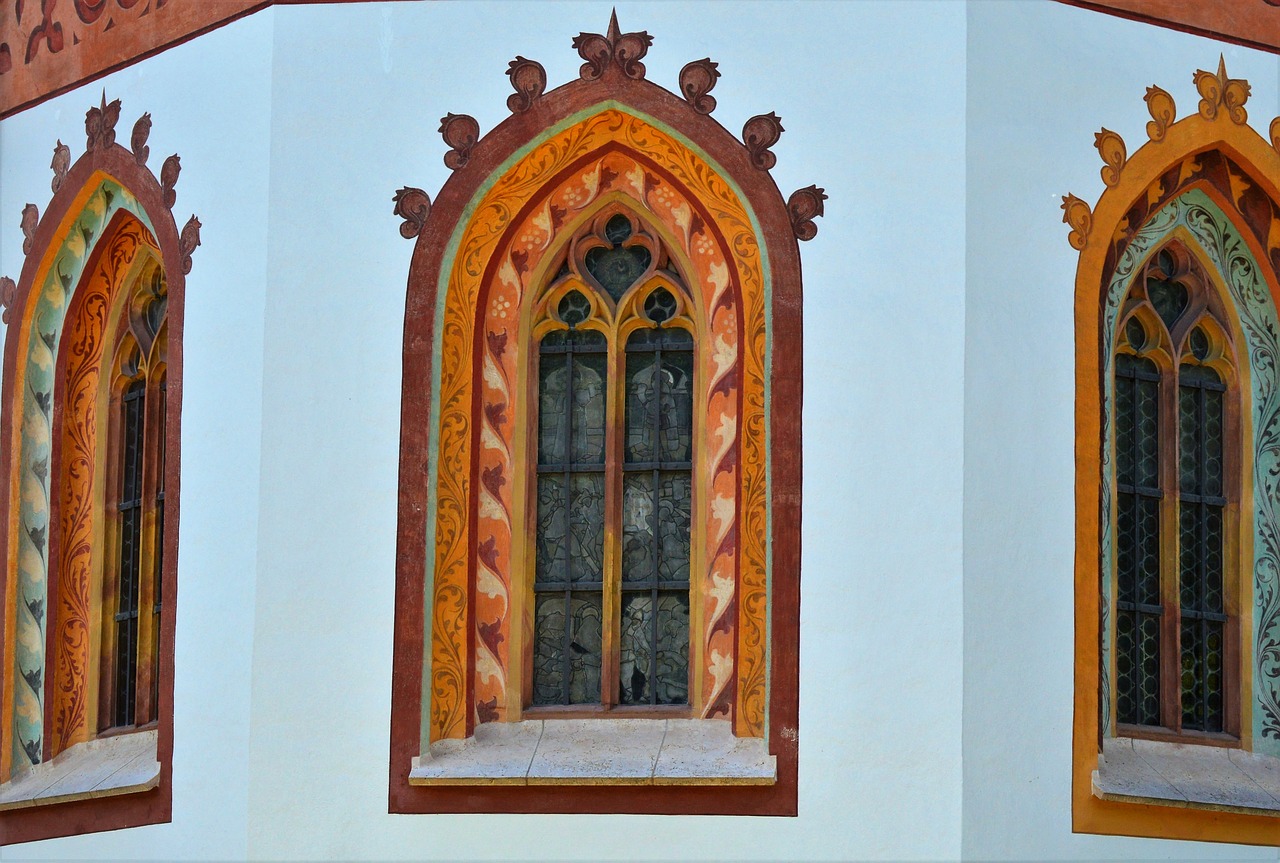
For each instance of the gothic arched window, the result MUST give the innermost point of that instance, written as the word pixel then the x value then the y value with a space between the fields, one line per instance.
pixel 1177 678
pixel 1178 460
pixel 89 454
pixel 600 453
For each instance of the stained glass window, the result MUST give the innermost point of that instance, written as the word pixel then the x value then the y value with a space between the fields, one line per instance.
pixel 569 582
pixel 131 677
pixel 1171 569
pixel 129 506
pixel 1138 608
pixel 656 505
pixel 1201 506
pixel 614 504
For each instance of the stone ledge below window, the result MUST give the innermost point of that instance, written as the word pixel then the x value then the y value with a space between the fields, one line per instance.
pixel 599 752
pixel 1179 774
pixel 120 764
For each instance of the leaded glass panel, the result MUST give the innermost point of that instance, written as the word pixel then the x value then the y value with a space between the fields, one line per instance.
pixel 649 675
pixel 128 578
pixel 656 517
pixel 1201 544
pixel 1138 602
pixel 570 534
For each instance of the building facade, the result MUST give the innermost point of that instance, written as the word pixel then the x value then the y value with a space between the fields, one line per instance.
pixel 453 430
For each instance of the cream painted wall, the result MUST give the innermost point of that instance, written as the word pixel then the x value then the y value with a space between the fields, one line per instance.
pixel 1042 78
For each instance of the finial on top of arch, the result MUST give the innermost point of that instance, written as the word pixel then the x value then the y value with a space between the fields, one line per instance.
pixel 1218 91
pixel 100 124
pixel 625 50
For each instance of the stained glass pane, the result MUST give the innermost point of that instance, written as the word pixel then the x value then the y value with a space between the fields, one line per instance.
pixel 618 268
pixel 638 527
pixel 675 500
pixel 1138 601
pixel 1200 535
pixel 566 664
pixel 569 539
pixel 646 675
pixel 1169 299
pixel 128 577
pixel 1136 334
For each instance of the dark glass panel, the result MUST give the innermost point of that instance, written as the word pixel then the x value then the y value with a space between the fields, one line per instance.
pixel 618 268
pixel 128 577
pixel 638 527
pixel 675 501
pixel 569 538
pixel 1138 608
pixel 162 438
pixel 552 544
pixel 660 306
pixel 1201 540
pixel 1199 344
pixel 566 665
pixel 588 414
pixel 553 390
pixel 1136 334
pixel 574 308
pixel 648 675
pixel 586 527
pixel 1169 299
pixel 618 229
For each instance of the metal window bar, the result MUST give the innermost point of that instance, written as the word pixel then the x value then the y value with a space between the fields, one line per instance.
pixel 1138 372
pixel 655 469
pixel 1198 615
pixel 128 583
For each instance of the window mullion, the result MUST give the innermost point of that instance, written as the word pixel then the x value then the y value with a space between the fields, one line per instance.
pixel 611 606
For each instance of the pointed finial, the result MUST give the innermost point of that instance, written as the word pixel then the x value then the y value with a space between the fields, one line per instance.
pixel 1218 91
pixel 614 31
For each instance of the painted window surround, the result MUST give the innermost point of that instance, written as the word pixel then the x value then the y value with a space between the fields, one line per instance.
pixel 610 138
pixel 109 219
pixel 1203 181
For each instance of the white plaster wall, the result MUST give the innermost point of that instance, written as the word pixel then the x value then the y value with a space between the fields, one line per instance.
pixel 873 102
pixel 210 102
pixel 1042 78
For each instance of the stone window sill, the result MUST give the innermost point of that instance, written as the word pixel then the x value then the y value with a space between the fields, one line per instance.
pixel 599 752
pixel 121 764
pixel 1179 774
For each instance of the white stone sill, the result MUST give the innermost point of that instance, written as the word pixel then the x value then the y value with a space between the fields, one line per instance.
pixel 1186 775
pixel 120 764
pixel 599 752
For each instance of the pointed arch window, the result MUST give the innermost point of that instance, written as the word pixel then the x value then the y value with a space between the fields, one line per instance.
pixel 90 427
pixel 601 426
pixel 131 585
pixel 1177 472
pixel 614 475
